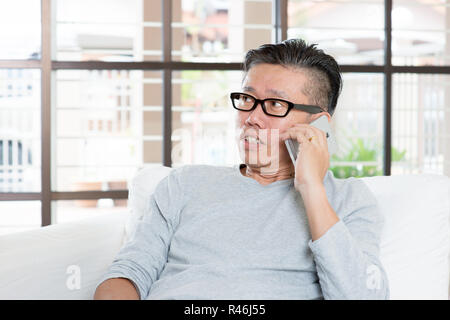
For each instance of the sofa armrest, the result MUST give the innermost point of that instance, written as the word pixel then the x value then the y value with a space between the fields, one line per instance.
pixel 62 261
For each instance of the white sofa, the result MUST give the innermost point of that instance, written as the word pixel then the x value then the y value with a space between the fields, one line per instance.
pixel 65 261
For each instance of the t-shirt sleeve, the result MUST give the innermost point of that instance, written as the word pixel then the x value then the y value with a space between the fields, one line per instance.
pixel 347 255
pixel 143 257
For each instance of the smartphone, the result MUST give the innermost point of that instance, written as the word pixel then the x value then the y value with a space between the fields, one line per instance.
pixel 320 123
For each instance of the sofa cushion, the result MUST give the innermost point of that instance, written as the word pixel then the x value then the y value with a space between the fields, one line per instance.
pixel 60 261
pixel 415 239
pixel 140 190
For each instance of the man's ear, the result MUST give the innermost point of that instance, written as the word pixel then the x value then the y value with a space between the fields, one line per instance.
pixel 315 116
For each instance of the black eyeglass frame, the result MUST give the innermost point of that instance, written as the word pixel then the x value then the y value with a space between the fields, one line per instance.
pixel 302 107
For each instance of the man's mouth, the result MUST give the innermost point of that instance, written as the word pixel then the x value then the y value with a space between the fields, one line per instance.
pixel 252 140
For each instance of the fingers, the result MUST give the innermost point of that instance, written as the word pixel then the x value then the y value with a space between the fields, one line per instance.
pixel 314 132
pixel 303 132
pixel 301 136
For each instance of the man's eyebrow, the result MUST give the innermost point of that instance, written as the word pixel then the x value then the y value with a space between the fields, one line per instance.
pixel 249 89
pixel 275 93
pixel 278 93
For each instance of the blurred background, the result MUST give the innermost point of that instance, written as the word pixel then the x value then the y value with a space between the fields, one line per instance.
pixel 93 90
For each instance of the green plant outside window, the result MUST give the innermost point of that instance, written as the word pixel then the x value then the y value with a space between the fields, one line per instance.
pixel 361 153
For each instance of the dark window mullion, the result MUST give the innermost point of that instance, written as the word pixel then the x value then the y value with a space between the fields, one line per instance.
pixel 167 83
pixel 46 66
pixel 280 9
pixel 283 5
pixel 19 196
pixel 387 87
pixel 91 195
pixel 20 64
pixel 145 65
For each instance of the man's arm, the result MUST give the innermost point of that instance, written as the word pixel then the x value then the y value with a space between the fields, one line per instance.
pixel 321 215
pixel 143 257
pixel 346 252
pixel 116 289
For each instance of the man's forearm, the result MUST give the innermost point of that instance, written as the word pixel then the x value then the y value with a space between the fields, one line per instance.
pixel 345 270
pixel 321 215
pixel 116 289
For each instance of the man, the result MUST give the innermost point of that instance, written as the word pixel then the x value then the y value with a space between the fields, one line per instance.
pixel 265 229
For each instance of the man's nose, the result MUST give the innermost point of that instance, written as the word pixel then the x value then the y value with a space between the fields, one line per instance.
pixel 257 115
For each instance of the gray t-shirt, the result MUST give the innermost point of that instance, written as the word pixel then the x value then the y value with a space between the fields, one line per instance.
pixel 212 233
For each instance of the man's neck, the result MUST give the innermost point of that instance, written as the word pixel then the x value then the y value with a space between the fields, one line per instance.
pixel 265 179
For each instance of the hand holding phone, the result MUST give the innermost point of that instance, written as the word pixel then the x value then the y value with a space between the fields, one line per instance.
pixel 320 123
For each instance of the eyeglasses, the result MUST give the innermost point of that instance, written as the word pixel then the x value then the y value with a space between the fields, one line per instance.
pixel 270 106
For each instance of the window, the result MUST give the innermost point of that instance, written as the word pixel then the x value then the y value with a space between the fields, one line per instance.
pixel 20 30
pixel 88 95
pixel 358 126
pixel 220 31
pixel 105 120
pixel 420 130
pixel 202 120
pixel 351 31
pixel 100 30
pixel 419 33
pixel 20 130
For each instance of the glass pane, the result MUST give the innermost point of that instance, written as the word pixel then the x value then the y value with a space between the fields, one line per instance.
pixel 73 210
pixel 102 127
pixel 421 124
pixel 223 30
pixel 358 127
pixel 420 32
pixel 16 216
pixel 20 130
pixel 119 30
pixel 20 29
pixel 351 31
pixel 203 118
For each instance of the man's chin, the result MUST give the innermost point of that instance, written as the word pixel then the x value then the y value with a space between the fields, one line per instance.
pixel 264 167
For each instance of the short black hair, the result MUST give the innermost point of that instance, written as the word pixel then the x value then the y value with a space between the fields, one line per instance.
pixel 322 69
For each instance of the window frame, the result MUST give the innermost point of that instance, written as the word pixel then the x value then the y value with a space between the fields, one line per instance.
pixel 47 66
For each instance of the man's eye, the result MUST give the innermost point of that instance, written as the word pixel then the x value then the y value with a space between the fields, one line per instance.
pixel 276 104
